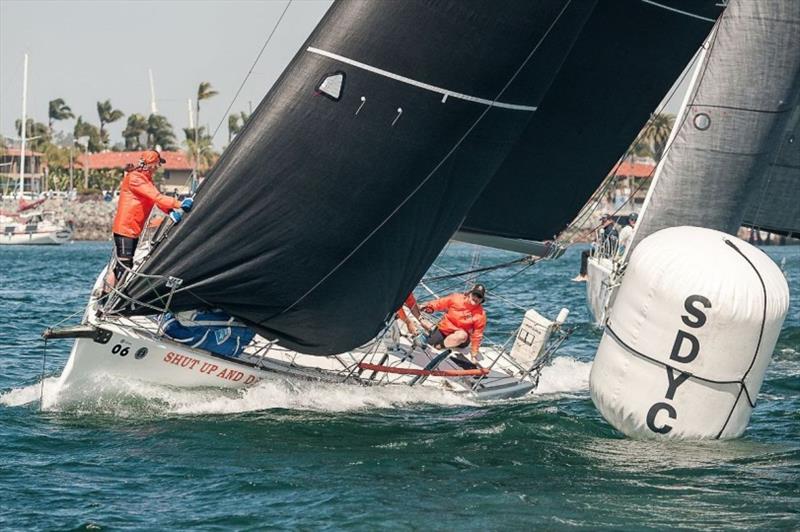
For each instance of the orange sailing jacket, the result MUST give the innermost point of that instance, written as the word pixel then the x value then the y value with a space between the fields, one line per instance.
pixel 409 302
pixel 137 194
pixel 461 314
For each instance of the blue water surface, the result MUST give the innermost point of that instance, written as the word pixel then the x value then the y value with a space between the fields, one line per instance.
pixel 291 455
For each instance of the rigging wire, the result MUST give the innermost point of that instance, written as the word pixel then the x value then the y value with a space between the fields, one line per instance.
pixel 469 273
pixel 435 168
pixel 490 290
pixel 269 38
pixel 586 214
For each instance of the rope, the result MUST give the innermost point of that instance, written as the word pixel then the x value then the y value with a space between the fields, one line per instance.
pixel 630 349
pixel 269 38
pixel 435 169
pixel 44 364
pixel 758 343
pixel 503 281
pixel 478 270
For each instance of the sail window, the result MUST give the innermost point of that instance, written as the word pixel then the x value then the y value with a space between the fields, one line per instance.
pixel 332 85
pixel 702 121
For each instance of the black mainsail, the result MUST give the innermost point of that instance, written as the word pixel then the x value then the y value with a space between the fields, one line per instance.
pixel 627 56
pixel 365 156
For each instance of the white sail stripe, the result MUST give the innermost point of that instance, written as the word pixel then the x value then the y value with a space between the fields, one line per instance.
pixel 426 86
pixel 668 8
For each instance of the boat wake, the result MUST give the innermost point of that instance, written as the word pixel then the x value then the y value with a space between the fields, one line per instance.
pixel 131 398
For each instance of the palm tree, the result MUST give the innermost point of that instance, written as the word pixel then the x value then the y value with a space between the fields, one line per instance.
pixel 85 129
pixel 204 92
pixel 160 133
pixel 137 126
pixel 107 114
pixel 656 133
pixel 37 133
pixel 234 127
pixel 58 110
pixel 203 149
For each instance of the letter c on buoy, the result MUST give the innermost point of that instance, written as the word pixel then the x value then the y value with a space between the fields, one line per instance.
pixel 651 417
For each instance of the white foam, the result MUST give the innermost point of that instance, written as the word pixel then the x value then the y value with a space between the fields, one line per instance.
pixel 128 397
pixel 29 394
pixel 564 375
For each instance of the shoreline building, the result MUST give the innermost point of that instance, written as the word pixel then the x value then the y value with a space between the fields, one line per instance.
pixel 174 174
pixel 35 171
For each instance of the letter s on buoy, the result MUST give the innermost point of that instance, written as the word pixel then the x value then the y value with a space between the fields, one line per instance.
pixel 694 311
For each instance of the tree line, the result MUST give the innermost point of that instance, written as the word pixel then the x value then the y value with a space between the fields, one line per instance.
pixel 140 132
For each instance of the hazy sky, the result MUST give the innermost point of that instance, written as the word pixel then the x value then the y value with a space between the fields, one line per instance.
pixel 86 51
pixel 90 51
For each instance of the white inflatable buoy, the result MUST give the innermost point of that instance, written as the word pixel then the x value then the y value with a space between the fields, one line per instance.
pixel 689 337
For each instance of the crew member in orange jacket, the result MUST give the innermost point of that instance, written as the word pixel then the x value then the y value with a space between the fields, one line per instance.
pixel 137 195
pixel 411 303
pixel 464 322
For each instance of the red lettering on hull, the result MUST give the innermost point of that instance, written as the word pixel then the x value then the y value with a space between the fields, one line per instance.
pixel 209 368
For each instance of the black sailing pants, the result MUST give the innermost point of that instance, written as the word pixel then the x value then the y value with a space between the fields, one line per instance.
pixel 126 247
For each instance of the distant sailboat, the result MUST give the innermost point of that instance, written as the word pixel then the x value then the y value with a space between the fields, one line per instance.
pixel 35 227
pixel 396 126
pixel 733 157
pixel 694 314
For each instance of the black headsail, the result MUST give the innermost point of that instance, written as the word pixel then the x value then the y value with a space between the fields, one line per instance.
pixel 626 58
pixel 360 163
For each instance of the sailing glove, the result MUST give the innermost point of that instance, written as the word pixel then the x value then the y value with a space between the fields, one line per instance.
pixel 175 216
pixel 186 204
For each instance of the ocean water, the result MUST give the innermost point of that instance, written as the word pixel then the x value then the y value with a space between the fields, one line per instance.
pixel 292 455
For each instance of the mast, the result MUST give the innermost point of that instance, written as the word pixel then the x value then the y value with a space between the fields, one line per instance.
pixel 24 118
pixel 153 109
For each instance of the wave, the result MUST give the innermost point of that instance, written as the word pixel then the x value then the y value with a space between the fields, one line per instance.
pixel 128 397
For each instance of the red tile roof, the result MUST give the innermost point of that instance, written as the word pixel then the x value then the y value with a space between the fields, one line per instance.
pixel 176 160
pixel 15 152
pixel 635 169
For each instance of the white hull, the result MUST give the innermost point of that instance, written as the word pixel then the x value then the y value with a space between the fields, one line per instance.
pixel 44 238
pixel 135 354
pixel 599 288
pixel 33 229
pixel 132 348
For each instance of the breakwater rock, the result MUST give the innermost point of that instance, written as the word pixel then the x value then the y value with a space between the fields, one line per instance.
pixel 91 218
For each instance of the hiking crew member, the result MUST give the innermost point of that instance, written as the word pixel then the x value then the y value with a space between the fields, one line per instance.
pixel 626 233
pixel 464 322
pixel 137 195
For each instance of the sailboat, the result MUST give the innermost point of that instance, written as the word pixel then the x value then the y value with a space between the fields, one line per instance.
pixel 25 226
pixel 33 228
pixel 396 127
pixel 732 159
pixel 693 313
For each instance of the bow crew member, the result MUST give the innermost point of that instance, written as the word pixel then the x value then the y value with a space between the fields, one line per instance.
pixel 137 196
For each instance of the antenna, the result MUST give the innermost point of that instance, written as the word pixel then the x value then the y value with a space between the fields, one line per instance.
pixel 153 108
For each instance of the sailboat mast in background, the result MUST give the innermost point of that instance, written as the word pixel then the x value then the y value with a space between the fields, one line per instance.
pixel 23 128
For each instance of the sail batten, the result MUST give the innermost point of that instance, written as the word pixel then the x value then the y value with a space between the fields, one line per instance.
pixel 403 79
